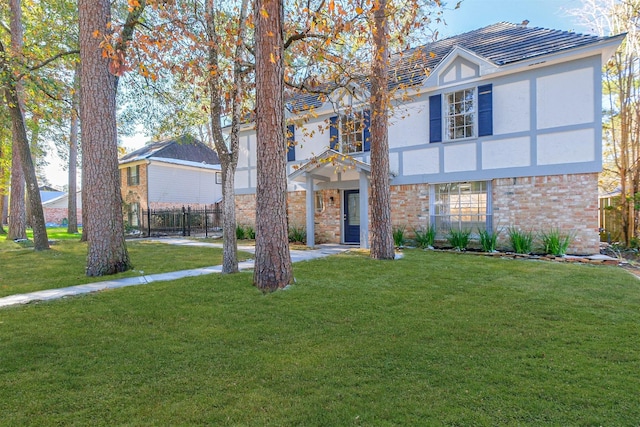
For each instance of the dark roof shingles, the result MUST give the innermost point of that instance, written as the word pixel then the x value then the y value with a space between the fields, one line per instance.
pixel 502 43
pixel 182 148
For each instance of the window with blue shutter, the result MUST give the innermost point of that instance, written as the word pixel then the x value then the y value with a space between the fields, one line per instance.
pixel 485 110
pixel 349 133
pixel 291 138
pixel 435 118
pixel 333 133
pixel 366 132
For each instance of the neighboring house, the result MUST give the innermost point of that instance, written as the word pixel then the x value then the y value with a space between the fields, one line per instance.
pixel 47 193
pixel 169 174
pixel 500 127
pixel 56 209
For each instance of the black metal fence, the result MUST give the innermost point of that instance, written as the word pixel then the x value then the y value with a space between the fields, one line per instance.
pixel 183 221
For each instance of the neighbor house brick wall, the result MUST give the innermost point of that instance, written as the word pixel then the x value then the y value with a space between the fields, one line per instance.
pixel 568 203
pixel 135 193
pixel 57 215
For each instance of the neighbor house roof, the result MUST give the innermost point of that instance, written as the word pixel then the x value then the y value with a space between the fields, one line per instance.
pixel 185 148
pixel 502 44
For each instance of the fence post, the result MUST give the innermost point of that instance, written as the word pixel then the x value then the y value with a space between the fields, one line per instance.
pixel 148 221
pixel 206 222
pixel 184 225
pixel 188 220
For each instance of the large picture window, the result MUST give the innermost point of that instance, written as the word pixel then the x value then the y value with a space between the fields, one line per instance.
pixel 461 206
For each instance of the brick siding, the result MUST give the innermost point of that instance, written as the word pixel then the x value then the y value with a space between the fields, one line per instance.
pixel 568 203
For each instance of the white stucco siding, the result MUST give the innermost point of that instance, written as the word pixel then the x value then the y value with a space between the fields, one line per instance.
pixel 409 125
pixel 243 151
pixel 252 144
pixel 178 184
pixel 242 179
pixel 565 99
pixel 512 107
pixel 449 75
pixel 506 153
pixel 419 162
pixel 459 157
pixel 566 147
pixel 394 163
pixel 312 138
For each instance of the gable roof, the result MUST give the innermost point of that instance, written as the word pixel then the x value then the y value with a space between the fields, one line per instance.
pixel 185 148
pixel 502 44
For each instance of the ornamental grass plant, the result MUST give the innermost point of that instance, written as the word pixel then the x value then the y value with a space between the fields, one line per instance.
pixel 425 237
pixel 521 241
pixel 399 236
pixel 555 242
pixel 459 239
pixel 488 240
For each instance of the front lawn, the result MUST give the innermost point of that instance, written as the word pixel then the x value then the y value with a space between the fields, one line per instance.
pixel 24 270
pixel 431 339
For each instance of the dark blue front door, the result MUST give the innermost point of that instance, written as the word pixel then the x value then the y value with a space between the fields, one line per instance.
pixel 352 216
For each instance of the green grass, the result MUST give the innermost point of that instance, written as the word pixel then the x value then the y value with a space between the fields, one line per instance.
pixel 431 339
pixel 24 270
pixel 58 233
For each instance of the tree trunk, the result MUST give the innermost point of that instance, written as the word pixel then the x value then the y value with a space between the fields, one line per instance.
pixel 228 154
pixel 40 239
pixel 17 207
pixel 229 237
pixel 272 257
pixel 72 207
pixel 14 99
pixel 381 228
pixel 3 201
pixel 17 211
pixel 107 252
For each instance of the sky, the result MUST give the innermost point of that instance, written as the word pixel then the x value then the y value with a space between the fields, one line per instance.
pixel 471 15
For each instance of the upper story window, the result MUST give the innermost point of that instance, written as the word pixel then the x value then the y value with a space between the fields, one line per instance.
pixel 133 175
pixel 466 113
pixel 461 114
pixel 349 133
pixel 291 143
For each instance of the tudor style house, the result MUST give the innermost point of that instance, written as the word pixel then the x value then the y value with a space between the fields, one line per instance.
pixel 169 174
pixel 495 128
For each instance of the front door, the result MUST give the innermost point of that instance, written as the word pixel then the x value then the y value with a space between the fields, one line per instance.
pixel 351 216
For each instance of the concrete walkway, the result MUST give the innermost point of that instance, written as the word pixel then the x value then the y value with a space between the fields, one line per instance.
pixel 296 256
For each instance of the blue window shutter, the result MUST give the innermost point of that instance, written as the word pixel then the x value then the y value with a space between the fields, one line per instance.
pixel 291 148
pixel 333 133
pixel 435 118
pixel 366 134
pixel 485 110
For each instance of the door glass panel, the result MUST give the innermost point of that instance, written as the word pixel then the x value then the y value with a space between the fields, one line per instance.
pixel 354 208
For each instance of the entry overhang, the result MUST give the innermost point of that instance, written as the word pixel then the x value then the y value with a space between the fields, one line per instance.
pixel 328 165
pixel 330 168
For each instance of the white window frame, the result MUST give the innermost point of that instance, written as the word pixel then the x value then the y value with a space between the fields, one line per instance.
pixel 351 132
pixel 455 111
pixel 461 207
